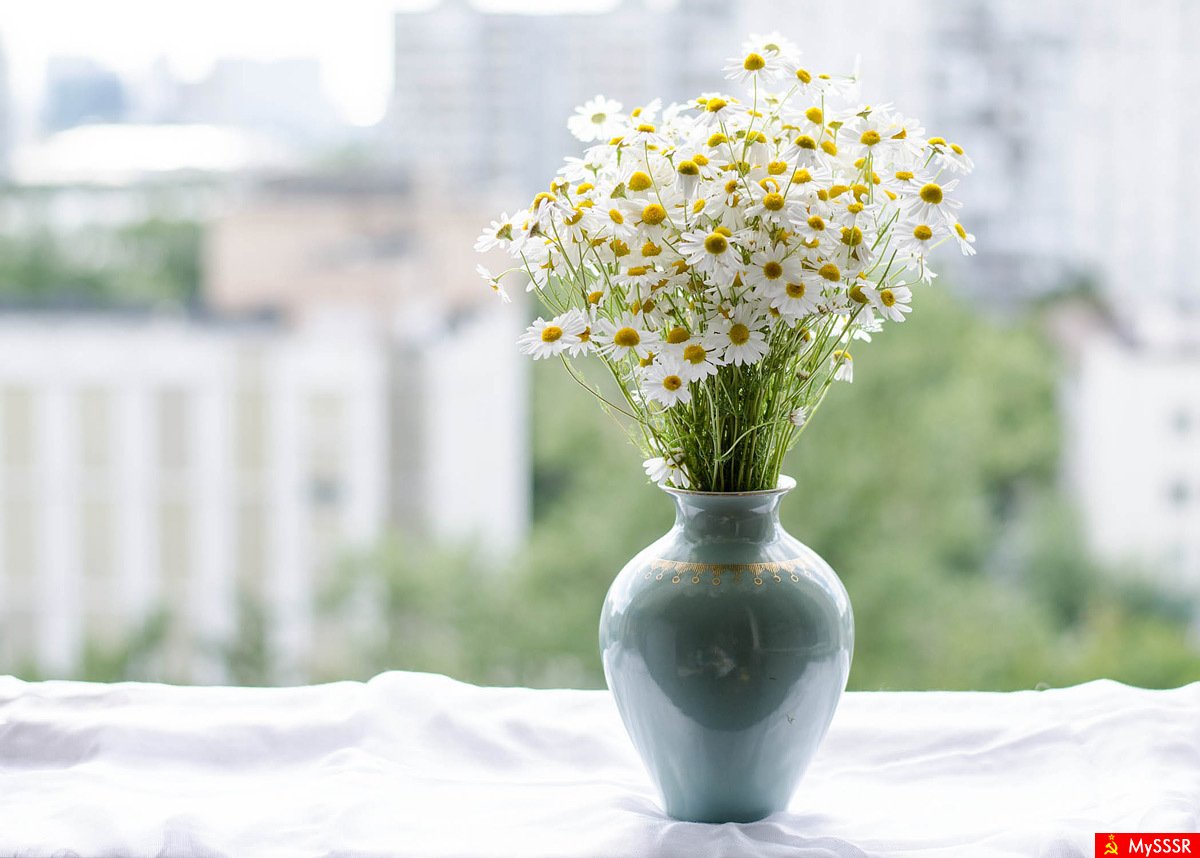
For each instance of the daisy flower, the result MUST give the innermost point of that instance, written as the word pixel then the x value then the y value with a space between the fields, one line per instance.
pixel 893 303
pixel 664 382
pixel 597 119
pixel 578 324
pixel 737 338
pixel 930 203
pixel 668 470
pixel 964 239
pixel 711 253
pixel 794 300
pixel 771 267
pixel 497 234
pixel 494 282
pixel 950 155
pixel 842 365
pixel 625 336
pixel 698 360
pixel 545 339
pixel 765 67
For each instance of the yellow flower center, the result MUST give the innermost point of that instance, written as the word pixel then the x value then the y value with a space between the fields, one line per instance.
pixel 956 149
pixel 829 147
pixel 725 231
pixel 616 216
pixel 551 333
pixel 647 128
pixel 854 208
pixel 639 181
pixel 857 293
pixel 678 335
pixel 931 193
pixel 937 141
pixel 717 139
pixel 695 354
pixel 869 137
pixel 904 175
pixel 599 118
pixel 700 159
pixel 842 356
pixel 777 168
pixel 801 176
pixel 830 272
pixel 651 249
pixel 851 236
pixel 814 115
pixel 739 334
pixel 795 290
pixel 816 222
pixel 715 105
pixel 637 271
pixel 922 232
pixel 585 335
pixel 887 297
pixel 806 142
pixel 772 270
pixel 688 168
pixel 803 76
pixel 626 338
pixel 753 62
pixel 716 243
pixel 961 230
pixel 595 297
pixel 654 214
pixel 672 382
pixel 773 202
pixel 619 248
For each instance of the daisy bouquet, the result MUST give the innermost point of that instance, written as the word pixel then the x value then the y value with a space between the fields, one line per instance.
pixel 720 258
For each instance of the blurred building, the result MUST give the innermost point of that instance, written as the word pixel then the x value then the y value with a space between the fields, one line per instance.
pixel 7 119
pixel 481 98
pixel 1132 444
pixel 80 91
pixel 150 463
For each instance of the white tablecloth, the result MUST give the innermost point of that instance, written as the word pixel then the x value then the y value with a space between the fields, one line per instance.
pixel 419 765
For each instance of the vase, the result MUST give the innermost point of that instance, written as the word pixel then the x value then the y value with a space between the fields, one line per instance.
pixel 727 644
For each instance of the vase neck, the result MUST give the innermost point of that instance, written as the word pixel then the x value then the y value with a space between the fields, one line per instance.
pixel 742 517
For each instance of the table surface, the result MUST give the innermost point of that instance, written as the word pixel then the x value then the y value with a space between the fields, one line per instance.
pixel 415 765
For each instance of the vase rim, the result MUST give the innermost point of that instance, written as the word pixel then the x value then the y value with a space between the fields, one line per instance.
pixel 785 484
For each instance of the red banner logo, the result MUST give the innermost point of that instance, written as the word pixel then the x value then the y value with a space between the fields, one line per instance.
pixel 1126 844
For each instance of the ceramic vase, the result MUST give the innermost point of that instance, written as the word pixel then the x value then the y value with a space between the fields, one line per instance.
pixel 727 645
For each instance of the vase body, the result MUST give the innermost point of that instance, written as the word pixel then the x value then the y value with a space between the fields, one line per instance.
pixel 727 645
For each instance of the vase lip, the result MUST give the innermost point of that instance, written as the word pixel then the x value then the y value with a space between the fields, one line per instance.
pixel 785 485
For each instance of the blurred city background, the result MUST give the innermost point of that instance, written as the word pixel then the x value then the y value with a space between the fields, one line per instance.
pixel 260 422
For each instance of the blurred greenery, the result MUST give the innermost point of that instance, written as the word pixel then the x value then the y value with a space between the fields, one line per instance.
pixel 145 263
pixel 930 484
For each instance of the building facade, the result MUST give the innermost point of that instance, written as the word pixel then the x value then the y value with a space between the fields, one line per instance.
pixel 151 465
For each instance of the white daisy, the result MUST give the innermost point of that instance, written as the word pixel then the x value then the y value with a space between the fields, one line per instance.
pixel 843 366
pixel 798 416
pixel 668 470
pixel 578 324
pixel 765 67
pixel 494 282
pixel 737 338
pixel 625 336
pixel 711 253
pixel 930 203
pixel 771 267
pixel 699 361
pixel 545 339
pixel 965 239
pixel 664 382
pixel 497 234
pixel 597 119
pixel 893 303
pixel 795 299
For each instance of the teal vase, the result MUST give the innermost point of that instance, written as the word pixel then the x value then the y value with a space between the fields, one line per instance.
pixel 727 644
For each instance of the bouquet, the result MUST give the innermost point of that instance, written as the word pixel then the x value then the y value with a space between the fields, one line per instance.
pixel 720 258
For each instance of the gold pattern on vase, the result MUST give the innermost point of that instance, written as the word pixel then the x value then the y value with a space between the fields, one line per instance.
pixel 681 571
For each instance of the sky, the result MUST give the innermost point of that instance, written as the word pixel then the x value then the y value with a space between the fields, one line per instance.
pixel 351 38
